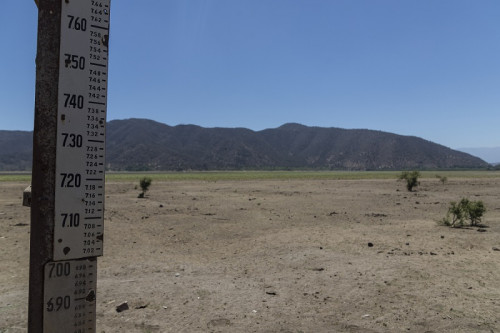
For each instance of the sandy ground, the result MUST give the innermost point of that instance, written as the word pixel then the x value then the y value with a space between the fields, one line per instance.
pixel 280 256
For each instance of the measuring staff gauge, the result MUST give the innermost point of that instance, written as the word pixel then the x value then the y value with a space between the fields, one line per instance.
pixel 70 296
pixel 81 127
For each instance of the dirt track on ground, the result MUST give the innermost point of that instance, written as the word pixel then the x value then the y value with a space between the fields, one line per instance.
pixel 280 256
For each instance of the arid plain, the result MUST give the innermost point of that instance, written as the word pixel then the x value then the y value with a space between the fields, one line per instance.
pixel 280 256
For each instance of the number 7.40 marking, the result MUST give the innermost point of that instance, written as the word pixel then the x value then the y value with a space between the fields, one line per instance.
pixel 73 101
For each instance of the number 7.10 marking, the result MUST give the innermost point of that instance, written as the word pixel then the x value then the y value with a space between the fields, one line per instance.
pixel 70 220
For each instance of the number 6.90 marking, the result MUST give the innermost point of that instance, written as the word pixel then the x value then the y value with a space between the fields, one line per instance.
pixel 61 303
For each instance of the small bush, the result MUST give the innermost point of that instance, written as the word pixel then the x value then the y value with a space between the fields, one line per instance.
pixel 456 214
pixel 411 179
pixel 464 210
pixel 145 182
pixel 475 212
pixel 442 179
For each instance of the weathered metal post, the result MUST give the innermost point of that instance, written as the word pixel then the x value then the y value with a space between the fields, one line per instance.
pixel 67 207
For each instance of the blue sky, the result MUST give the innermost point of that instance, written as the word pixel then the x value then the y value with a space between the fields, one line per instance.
pixel 429 68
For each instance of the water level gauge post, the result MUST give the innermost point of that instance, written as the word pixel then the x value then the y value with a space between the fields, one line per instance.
pixel 67 201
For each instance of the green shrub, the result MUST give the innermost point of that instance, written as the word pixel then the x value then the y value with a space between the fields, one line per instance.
pixel 455 216
pixel 475 212
pixel 144 182
pixel 464 210
pixel 411 179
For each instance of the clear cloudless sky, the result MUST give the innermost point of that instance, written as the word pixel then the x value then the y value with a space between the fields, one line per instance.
pixel 429 68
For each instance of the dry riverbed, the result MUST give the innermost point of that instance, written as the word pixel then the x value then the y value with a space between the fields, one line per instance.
pixel 280 256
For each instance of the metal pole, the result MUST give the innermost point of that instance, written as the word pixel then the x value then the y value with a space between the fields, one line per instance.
pixel 44 156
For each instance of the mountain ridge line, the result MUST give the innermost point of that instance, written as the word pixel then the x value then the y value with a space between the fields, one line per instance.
pixel 146 145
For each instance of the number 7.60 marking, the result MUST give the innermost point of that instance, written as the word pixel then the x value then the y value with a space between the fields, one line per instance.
pixel 77 23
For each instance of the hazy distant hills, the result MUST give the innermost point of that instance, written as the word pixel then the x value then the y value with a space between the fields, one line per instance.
pixel 141 144
pixel 488 154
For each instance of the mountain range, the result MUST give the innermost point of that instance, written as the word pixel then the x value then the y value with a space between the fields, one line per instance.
pixel 142 144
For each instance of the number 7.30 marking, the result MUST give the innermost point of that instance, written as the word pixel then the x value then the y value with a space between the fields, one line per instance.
pixel 72 140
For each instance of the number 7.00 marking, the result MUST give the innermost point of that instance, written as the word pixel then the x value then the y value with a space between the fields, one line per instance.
pixel 59 269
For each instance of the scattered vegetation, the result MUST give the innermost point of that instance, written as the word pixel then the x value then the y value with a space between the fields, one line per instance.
pixel 442 179
pixel 145 182
pixel 265 175
pixel 212 176
pixel 411 178
pixel 465 209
